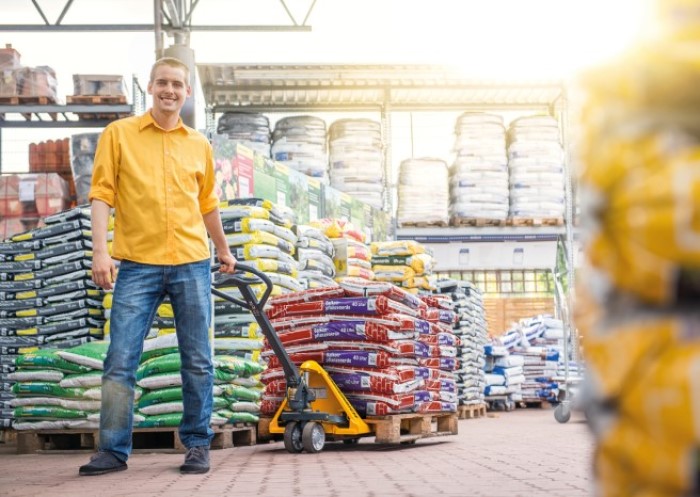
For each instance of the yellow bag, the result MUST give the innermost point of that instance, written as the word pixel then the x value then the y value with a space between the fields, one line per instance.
pixel 648 369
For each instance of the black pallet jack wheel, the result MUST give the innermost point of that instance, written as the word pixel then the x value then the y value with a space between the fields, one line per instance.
pixel 313 437
pixel 292 438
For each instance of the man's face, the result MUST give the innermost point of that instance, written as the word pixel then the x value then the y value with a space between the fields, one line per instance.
pixel 169 89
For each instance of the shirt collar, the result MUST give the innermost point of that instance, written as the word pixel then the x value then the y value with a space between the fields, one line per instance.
pixel 147 120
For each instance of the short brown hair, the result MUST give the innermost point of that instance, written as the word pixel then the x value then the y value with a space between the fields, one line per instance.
pixel 172 62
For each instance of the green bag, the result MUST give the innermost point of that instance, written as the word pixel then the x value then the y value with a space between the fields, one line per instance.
pixel 49 359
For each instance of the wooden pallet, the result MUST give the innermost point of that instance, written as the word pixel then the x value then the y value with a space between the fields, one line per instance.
pixel 471 411
pixel 535 404
pixel 469 221
pixel 407 428
pixel 144 439
pixel 394 429
pixel 96 99
pixel 88 116
pixel 27 100
pixel 8 436
pixel 420 224
pixel 547 221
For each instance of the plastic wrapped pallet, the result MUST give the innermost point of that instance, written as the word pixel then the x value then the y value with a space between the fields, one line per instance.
pixel 423 192
pixel 536 169
pixel 479 173
pixel 82 147
pixel 299 142
pixel 249 129
pixel 356 159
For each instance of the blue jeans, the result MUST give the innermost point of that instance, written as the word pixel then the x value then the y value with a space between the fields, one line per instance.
pixel 139 290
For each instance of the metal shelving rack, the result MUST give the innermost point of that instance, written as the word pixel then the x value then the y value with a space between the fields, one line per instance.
pixel 388 89
pixel 68 116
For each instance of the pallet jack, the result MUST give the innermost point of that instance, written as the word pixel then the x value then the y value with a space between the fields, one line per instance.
pixel 314 408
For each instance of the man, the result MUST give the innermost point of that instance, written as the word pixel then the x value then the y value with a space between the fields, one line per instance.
pixel 158 175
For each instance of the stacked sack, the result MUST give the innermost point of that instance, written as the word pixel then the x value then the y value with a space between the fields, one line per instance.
pixel 403 263
pixel 504 376
pixel 536 167
pixel 638 296
pixel 423 192
pixel 299 142
pixel 471 329
pixel 260 233
pixel 314 255
pixel 351 254
pixel 356 160
pixel 161 401
pixel 59 389
pixel 249 129
pixel 479 174
pixel 47 297
pixel 542 349
pixel 388 351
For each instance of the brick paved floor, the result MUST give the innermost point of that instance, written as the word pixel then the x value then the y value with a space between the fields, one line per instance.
pixel 521 453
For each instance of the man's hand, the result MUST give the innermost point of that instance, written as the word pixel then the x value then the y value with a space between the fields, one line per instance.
pixel 103 270
pixel 228 263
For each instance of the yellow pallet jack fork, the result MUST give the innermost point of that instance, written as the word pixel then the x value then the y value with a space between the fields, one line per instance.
pixel 314 408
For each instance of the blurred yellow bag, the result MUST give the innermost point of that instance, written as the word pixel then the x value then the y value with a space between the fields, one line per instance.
pixel 647 372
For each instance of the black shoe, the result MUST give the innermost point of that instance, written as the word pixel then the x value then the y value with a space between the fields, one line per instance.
pixel 102 463
pixel 196 461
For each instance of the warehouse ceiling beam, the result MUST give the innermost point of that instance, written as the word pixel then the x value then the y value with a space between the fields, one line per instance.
pixel 177 18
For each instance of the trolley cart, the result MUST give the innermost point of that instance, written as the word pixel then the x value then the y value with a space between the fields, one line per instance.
pixel 314 408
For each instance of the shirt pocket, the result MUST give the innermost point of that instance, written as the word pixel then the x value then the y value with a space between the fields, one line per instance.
pixel 191 175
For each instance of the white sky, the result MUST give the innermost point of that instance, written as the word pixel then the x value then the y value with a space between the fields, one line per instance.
pixel 520 39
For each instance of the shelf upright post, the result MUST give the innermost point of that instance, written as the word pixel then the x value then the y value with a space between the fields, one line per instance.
pixel 386 145
pixel 569 231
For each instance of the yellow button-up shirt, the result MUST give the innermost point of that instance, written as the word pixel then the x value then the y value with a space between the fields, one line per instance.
pixel 160 184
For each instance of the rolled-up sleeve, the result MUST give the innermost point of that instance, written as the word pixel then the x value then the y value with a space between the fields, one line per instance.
pixel 208 199
pixel 104 173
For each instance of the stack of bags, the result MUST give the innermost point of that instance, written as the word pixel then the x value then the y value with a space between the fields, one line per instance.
pixel 388 351
pixel 637 305
pixel 47 298
pixel 479 174
pixel 314 254
pixel 536 166
pixel 423 192
pixel 58 389
pixel 260 233
pixel 405 264
pixel 161 401
pixel 249 129
pixel 352 254
pixel 541 358
pixel 299 142
pixel 471 330
pixel 504 376
pixel 356 160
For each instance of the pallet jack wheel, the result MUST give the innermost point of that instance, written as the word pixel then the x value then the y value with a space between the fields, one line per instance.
pixel 313 438
pixel 562 413
pixel 292 438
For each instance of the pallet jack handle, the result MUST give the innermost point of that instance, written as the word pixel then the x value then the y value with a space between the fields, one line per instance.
pixel 256 306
